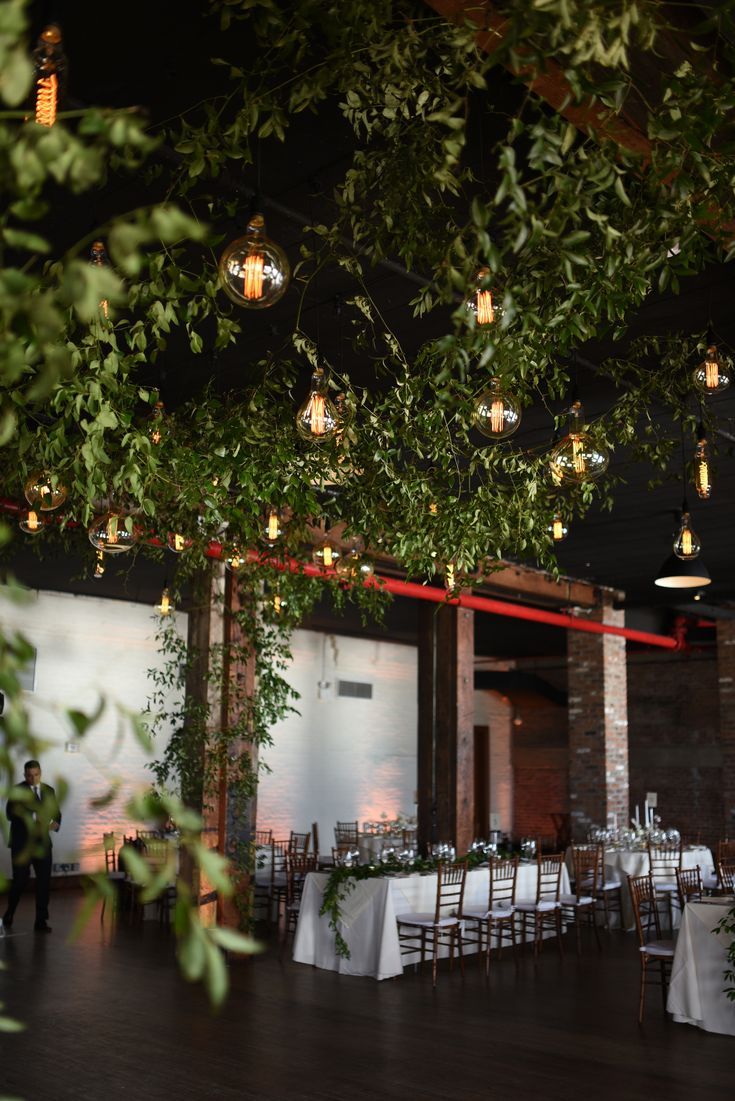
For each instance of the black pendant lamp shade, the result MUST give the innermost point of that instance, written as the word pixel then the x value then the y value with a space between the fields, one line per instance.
pixel 677 573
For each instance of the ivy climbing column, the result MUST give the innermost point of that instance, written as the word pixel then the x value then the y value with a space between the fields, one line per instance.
pixel 598 724
pixel 446 795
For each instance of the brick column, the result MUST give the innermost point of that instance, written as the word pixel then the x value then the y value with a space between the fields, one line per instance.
pixel 598 725
pixel 726 683
pixel 446 767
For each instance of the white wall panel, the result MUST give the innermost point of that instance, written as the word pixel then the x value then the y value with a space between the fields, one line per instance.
pixel 343 758
pixel 88 648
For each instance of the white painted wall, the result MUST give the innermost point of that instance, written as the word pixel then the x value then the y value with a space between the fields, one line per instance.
pixel 496 712
pixel 88 647
pixel 343 759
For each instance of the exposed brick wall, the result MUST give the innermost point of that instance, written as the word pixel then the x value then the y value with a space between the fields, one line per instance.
pixel 540 765
pixel 598 726
pixel 726 681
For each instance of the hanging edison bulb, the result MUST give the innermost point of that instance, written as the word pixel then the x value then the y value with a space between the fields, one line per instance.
pixel 450 577
pixel 164 608
pixel 99 566
pixel 558 529
pixel 712 376
pixel 44 491
pixel 274 525
pixel 355 567
pixel 109 533
pixel 483 303
pixel 326 553
pixel 577 459
pixel 318 419
pixel 30 522
pixel 497 413
pixel 157 424
pixel 254 271
pixel 702 466
pixel 234 560
pixel 50 64
pixel 686 544
pixel 98 257
pixel 177 542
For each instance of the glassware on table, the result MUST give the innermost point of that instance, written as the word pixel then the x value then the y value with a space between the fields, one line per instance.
pixel 406 857
pixel 528 848
pixel 387 854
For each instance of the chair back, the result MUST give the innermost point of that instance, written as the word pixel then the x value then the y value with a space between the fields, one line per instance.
pixel 664 859
pixel 279 855
pixel 298 866
pixel 502 880
pixel 725 851
pixel 315 840
pixel 108 844
pixel 345 835
pixel 548 880
pixel 689 884
pixel 726 875
pixel 644 902
pixel 450 885
pixel 150 835
pixel 299 842
pixel 263 837
pixel 587 870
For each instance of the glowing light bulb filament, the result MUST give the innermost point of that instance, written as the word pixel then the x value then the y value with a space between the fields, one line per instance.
pixel 711 370
pixel 316 414
pixel 497 416
pixel 273 531
pixel 578 458
pixel 164 608
pixel 277 604
pixel 449 577
pixel 686 542
pixel 47 96
pixel 112 535
pixel 485 308
pixel 328 558
pixel 32 521
pixel 99 568
pixel 558 529
pixel 179 542
pixel 253 269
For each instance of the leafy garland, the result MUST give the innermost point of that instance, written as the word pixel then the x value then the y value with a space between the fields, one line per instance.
pixel 727 925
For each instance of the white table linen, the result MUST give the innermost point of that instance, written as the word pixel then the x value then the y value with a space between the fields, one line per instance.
pixel 621 863
pixel 696 991
pixel 368 921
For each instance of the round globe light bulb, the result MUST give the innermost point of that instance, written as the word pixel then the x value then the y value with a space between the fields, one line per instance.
pixel 254 271
pixel 108 533
pixel 30 522
pixel 497 413
pixel 44 492
pixel 712 376
pixel 577 458
pixel 318 420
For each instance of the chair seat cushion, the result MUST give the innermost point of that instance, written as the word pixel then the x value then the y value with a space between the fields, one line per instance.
pixel 662 949
pixel 572 900
pixel 425 920
pixel 611 885
pixel 481 913
pixel 666 888
pixel 710 882
pixel 544 906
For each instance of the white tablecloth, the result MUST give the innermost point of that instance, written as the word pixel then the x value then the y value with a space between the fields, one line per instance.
pixel 369 918
pixel 622 863
pixel 696 990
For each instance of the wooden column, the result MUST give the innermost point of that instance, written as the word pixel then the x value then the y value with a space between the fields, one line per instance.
pixel 218 683
pixel 598 726
pixel 446 778
pixel 726 684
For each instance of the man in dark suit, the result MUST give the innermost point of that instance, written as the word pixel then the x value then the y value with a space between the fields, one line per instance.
pixel 33 812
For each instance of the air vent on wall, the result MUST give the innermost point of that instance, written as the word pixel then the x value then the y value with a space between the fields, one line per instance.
pixel 355 689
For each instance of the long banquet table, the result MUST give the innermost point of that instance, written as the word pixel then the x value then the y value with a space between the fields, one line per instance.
pixel 696 991
pixel 368 921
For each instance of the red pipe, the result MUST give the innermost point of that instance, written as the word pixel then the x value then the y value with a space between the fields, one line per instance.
pixel 440 596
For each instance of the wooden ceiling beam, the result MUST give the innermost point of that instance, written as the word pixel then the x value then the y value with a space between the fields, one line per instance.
pixel 550 85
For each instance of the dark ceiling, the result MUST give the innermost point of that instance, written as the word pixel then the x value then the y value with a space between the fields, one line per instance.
pixel 156 56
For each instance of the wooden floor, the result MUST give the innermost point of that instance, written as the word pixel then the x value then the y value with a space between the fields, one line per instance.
pixel 109 1017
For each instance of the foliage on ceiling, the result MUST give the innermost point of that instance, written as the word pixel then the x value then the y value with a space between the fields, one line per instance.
pixel 574 229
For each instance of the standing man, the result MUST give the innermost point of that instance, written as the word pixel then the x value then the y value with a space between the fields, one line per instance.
pixel 32 811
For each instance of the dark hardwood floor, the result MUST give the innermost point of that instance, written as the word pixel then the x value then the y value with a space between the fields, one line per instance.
pixel 110 1017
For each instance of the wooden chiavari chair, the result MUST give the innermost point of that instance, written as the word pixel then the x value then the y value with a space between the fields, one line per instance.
pixel 546 908
pixel 689 884
pixel 608 891
pixel 581 907
pixel 644 899
pixel 726 876
pixel 263 837
pixel 498 918
pixel 419 931
pixel 298 866
pixel 345 835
